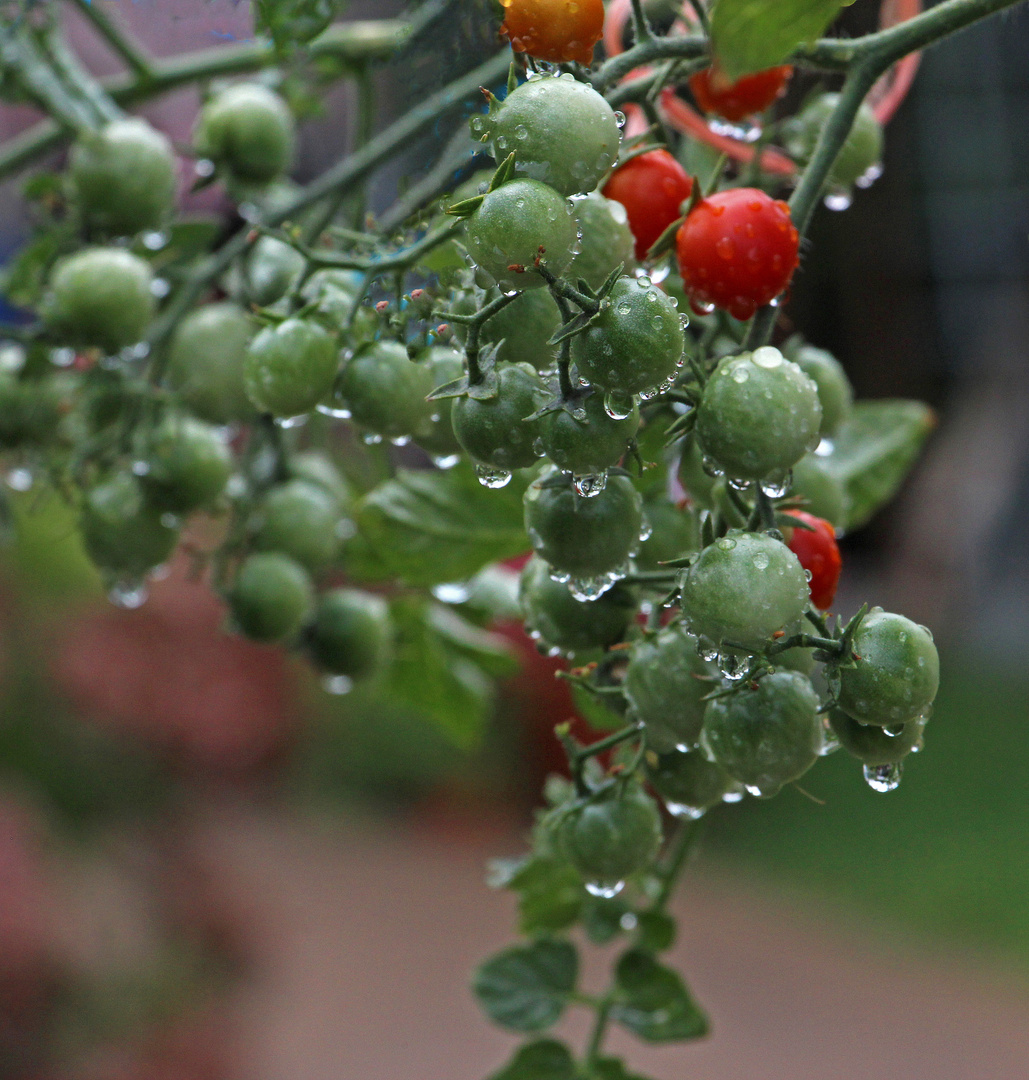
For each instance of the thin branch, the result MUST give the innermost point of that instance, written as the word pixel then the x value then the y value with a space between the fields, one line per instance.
pixel 112 33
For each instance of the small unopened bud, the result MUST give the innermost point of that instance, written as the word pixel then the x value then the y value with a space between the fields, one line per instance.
pixel 382 305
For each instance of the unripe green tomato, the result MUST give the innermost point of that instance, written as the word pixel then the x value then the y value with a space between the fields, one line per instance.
pixel 743 588
pixel 873 745
pixel 99 297
pixel 834 390
pixel 443 365
pixel 494 432
pixel 586 538
pixel 289 368
pixel 765 736
pixel 30 411
pixel 897 673
pixel 591 444
pixel 609 836
pixel 189 464
pixel 123 177
pixel 665 684
pixel 334 293
pixel 759 415
pixel 314 467
pixel 697 483
pixel 510 227
pixel 674 532
pixel 271 269
pixel 524 327
pixel 635 343
pixel 247 129
pixel 824 491
pixel 385 390
pixel 605 239
pixel 300 520
pixel 206 359
pixel 556 619
pixel 350 634
pixel 687 781
pixel 271 597
pixel 123 532
pixel 561 131
pixel 861 153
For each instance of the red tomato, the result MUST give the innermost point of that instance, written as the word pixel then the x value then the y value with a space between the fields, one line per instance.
pixel 735 101
pixel 819 555
pixel 652 188
pixel 554 30
pixel 737 251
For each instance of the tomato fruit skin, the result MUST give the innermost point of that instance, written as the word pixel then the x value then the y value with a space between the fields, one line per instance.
pixel 555 618
pixel 271 597
pixel 652 187
pixel 554 30
pixel 123 532
pixel 743 588
pixel 271 268
pixel 698 484
pixel 826 496
pixel 437 436
pixel 861 152
pixel 289 368
pixel 512 224
pixel 765 736
pixel 735 101
pixel 819 554
pixel 99 297
pixel 385 390
pixel 834 389
pixel 30 411
pixel 759 415
pixel 123 177
pixel 350 633
pixel 314 467
pixel 189 464
pixel 591 445
pixel 665 684
pixel 871 744
pixel 494 431
pixel 687 779
pixel 206 358
pixel 897 673
pixel 610 835
pixel 583 537
pixel 674 532
pixel 523 328
pixel 247 129
pixel 634 343
pixel 737 250
pixel 300 520
pixel 605 240
pixel 562 132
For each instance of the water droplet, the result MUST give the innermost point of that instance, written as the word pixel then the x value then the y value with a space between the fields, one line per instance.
pixel 740 374
pixel 620 118
pixel 839 199
pixel 170 521
pixel 825 447
pixel 331 410
pixel 603 890
pixel 159 288
pixel 446 461
pixel 454 592
pixel 767 357
pixel 733 665
pixel 589 589
pixel 681 810
pixel 491 477
pixel 203 167
pixel 400 440
pixel 725 543
pixel 707 649
pixel 371 438
pixel 883 777
pixel 646 529
pixel 618 404
pixel 20 478
pixel 154 240
pixel 734 794
pixel 337 684
pixel 590 485
pixel 761 560
pixel 776 487
pixel 628 922
pixel 128 594
pixel 711 467
pixel 62 357
pixel 738 483
pixel 754 790
pixel 140 468
pixel 288 422
pixel 741 132
pixel 869 176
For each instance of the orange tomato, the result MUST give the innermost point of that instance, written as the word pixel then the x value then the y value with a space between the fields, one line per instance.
pixel 554 30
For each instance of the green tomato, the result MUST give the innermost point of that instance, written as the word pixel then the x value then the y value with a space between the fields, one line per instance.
pixel 765 736
pixel 385 390
pixel 688 783
pixel 271 597
pixel 697 482
pixel 334 293
pixel 99 297
pixel 873 745
pixel 742 589
pixel 674 532
pixel 30 411
pixel 123 532
pixel 301 520
pixel 350 633
pixel 609 836
pixel 554 618
pixel 665 684
pixel 896 674
pixel 289 368
pixel 635 343
pixel 123 177
pixel 859 156
pixel 586 538
pixel 248 130
pixel 759 415
pixel 834 390
pixel 206 358
pixel 824 492
pixel 189 464
pixel 561 131
pixel 494 431
pixel 588 441
pixel 524 328
pixel 438 438
pixel 314 467
pixel 605 240
pixel 271 269
pixel 510 227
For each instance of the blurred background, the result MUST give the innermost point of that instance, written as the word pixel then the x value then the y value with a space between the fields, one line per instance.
pixel 211 869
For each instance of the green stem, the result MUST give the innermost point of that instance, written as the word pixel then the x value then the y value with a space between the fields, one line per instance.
pixel 702 18
pixel 120 42
pixel 39 80
pixel 471 346
pixel 614 739
pixel 596 1040
pixel 804 641
pixel 81 83
pixel 640 26
pixel 679 849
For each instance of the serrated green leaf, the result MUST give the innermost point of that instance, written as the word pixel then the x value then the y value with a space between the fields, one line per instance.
pixel 750 35
pixel 875 449
pixel 491 652
pixel 544 1059
pixel 526 988
pixel 655 1004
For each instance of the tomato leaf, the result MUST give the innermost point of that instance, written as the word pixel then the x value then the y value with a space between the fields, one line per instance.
pixel 550 893
pixel 526 987
pixel 751 35
pixel 544 1059
pixel 655 1004
pixel 875 449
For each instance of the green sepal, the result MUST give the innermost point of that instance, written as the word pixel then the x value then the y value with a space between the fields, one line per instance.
pixel 526 987
pixel 609 282
pixel 505 171
pixel 666 241
pixel 466 207
pixel 680 427
pixel 574 326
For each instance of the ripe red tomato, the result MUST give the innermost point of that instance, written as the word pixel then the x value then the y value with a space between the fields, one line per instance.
pixel 735 101
pixel 554 30
pixel 819 554
pixel 652 188
pixel 737 251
